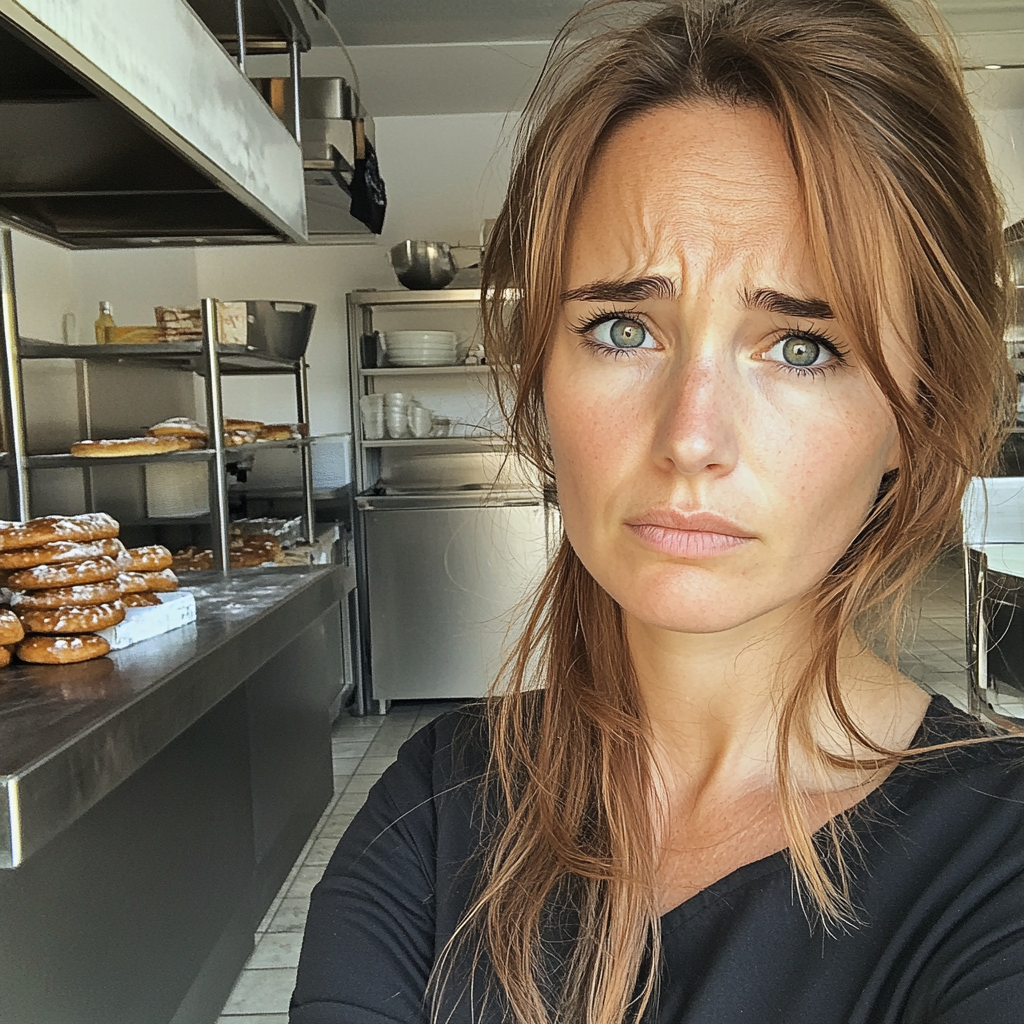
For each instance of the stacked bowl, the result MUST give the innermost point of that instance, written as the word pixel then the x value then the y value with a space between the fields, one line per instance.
pixel 420 348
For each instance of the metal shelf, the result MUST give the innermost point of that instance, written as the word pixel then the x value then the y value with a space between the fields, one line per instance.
pixel 407 297
pixel 184 355
pixel 64 460
pixel 422 371
pixel 486 441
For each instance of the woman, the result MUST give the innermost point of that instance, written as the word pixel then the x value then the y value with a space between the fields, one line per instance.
pixel 757 345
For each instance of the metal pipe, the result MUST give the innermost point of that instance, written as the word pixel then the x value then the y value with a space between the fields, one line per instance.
pixel 240 29
pixel 295 69
pixel 220 517
pixel 302 406
pixel 13 408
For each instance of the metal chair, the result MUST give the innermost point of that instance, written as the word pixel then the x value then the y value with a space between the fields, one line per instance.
pixel 993 550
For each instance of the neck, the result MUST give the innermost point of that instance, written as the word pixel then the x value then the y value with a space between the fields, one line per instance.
pixel 713 700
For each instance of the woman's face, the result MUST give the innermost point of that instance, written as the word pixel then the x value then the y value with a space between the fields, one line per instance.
pixel 717 445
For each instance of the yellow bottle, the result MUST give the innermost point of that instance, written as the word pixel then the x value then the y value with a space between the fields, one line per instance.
pixel 104 324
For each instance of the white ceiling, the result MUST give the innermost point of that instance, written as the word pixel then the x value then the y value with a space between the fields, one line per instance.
pixel 418 57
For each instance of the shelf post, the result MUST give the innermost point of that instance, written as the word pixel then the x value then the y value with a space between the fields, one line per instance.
pixel 13 419
pixel 219 514
pixel 306 451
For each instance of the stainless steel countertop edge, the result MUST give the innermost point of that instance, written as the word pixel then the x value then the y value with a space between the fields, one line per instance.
pixel 55 790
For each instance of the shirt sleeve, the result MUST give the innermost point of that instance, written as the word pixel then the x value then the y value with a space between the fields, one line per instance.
pixel 368 947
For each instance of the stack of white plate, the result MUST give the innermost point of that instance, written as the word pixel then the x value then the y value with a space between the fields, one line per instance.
pixel 420 348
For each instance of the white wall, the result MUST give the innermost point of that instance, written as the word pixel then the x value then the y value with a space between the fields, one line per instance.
pixel 443 173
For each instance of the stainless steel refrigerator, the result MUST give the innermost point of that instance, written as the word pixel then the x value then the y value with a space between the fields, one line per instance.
pixel 448 576
pixel 452 535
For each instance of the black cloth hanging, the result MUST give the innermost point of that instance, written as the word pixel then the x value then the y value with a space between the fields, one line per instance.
pixel 369 200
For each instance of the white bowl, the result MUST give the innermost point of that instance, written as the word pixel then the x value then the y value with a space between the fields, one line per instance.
pixel 422 361
pixel 421 348
pixel 421 337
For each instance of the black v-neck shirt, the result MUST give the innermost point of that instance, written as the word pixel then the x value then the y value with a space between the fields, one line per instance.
pixel 938 863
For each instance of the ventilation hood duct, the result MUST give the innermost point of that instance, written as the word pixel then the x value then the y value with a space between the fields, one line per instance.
pixel 126 124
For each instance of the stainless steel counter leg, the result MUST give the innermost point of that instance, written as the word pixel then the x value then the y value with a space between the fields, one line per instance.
pixel 13 419
pixel 220 517
pixel 306 451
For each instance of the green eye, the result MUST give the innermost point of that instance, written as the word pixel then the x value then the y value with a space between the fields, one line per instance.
pixel 621 333
pixel 801 351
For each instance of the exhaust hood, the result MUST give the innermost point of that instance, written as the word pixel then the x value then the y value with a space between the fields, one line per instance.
pixel 126 123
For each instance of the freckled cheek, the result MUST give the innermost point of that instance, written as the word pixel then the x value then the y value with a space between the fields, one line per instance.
pixel 594 435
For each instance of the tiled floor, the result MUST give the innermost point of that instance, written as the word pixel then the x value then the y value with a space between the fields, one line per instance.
pixel 364 747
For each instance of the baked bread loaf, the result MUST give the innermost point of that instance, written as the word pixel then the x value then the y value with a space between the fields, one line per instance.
pixel 178 426
pixel 193 559
pixel 6 653
pixel 63 597
pixel 61 650
pixel 250 426
pixel 73 619
pixel 63 574
pixel 143 599
pixel 234 438
pixel 124 446
pixel 11 629
pixel 278 432
pixel 91 526
pixel 60 551
pixel 151 558
pixel 147 582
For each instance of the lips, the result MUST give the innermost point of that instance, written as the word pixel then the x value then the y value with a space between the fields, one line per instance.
pixel 683 534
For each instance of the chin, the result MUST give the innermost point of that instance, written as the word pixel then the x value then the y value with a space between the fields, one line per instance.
pixel 693 601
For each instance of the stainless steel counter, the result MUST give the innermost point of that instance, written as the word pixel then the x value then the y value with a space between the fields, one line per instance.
pixel 70 734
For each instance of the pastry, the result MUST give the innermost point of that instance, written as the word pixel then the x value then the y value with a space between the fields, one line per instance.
pixel 278 432
pixel 60 551
pixel 11 629
pixel 143 599
pixel 73 619
pixel 62 597
pixel 249 426
pixel 178 426
pixel 89 527
pixel 61 650
pixel 193 559
pixel 142 582
pixel 5 656
pixel 234 438
pixel 146 559
pixel 124 446
pixel 67 574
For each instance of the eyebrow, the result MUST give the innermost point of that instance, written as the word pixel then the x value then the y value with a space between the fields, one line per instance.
pixel 636 290
pixel 788 305
pixel 658 287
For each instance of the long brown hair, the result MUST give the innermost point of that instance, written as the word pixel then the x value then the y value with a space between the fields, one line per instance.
pixel 892 175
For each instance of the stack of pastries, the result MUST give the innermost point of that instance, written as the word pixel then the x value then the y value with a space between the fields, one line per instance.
pixel 69 577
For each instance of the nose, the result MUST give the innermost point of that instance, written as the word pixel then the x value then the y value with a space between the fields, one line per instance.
pixel 698 417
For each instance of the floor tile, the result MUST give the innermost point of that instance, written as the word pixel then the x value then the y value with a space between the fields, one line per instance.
pixel 259 1018
pixel 359 785
pixel 373 764
pixel 347 765
pixel 265 991
pixel 276 949
pixel 290 916
pixel 350 748
pixel 335 826
pixel 305 879
pixel 322 850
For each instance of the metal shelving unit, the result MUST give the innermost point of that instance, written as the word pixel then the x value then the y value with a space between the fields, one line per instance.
pixel 207 358
pixel 361 308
